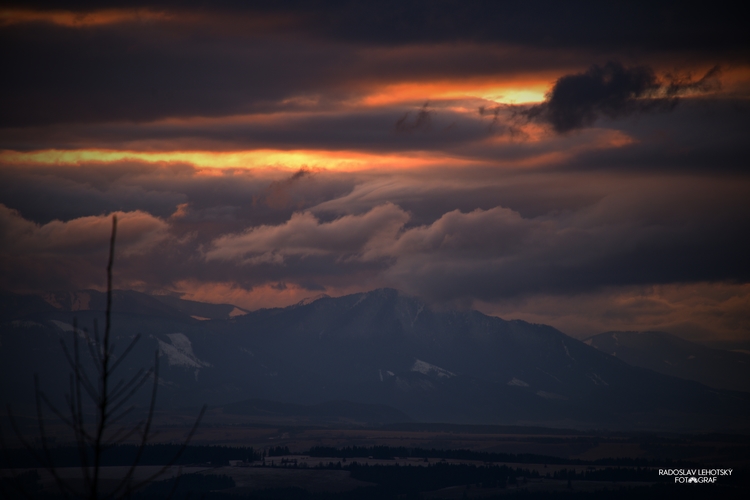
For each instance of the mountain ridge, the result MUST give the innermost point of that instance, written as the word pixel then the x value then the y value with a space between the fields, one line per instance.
pixel 671 355
pixel 384 348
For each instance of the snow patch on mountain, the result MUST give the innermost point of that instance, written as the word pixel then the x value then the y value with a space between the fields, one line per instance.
pixel 567 352
pixel 432 370
pixel 179 351
pixel 549 395
pixel 414 320
pixel 237 312
pixel 66 327
pixel 518 382
pixel 414 385
pixel 62 326
pixel 359 301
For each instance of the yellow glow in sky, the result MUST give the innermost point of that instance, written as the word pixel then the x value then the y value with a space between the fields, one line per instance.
pixel 511 93
pixel 256 159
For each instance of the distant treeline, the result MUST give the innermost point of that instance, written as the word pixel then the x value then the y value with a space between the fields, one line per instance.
pixel 442 475
pixel 161 454
pixel 486 429
pixel 277 451
pixel 125 454
pixel 392 482
pixel 610 474
pixel 555 433
pixel 389 452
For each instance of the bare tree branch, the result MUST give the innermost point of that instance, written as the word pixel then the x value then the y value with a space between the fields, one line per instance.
pixel 110 406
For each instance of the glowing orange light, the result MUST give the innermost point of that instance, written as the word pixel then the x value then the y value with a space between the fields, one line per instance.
pixel 256 159
pixel 80 19
pixel 263 295
pixel 512 92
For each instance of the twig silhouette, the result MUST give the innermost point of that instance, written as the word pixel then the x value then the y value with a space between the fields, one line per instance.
pixel 112 405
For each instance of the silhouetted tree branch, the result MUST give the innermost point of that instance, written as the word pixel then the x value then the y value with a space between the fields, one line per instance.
pixel 112 403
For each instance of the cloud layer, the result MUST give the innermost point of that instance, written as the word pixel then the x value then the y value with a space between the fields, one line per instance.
pixel 528 158
pixel 515 237
pixel 612 91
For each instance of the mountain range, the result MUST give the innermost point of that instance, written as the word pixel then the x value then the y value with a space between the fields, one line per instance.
pixel 381 353
pixel 671 355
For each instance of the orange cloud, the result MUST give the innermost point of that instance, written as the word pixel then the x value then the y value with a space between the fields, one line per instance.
pixel 500 92
pixel 255 159
pixel 527 139
pixel 267 295
pixel 248 24
pixel 305 235
pixel 694 311
pixel 81 19
pixel 138 232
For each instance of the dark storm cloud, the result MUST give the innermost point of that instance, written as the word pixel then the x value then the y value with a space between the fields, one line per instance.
pixel 153 70
pixel 463 235
pixel 662 24
pixel 229 60
pixel 64 76
pixel 422 120
pixel 577 101
pixel 207 205
pixel 659 24
pixel 189 208
pixel 612 91
pixel 634 237
pixel 378 129
pixel 700 135
pixel 58 75
pixel 45 195
pixel 230 201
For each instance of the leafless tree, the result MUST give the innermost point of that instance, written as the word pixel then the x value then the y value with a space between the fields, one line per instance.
pixel 112 402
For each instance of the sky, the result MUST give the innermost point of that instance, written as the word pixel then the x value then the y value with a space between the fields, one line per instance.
pixel 584 166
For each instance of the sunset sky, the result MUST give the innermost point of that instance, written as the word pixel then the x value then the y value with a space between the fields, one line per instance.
pixel 586 167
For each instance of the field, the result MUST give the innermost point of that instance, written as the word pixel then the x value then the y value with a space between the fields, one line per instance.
pixel 424 461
